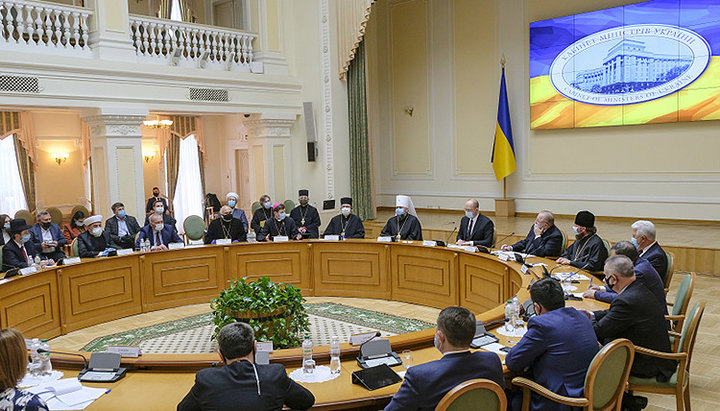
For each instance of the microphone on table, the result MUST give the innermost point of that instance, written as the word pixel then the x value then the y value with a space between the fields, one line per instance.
pixel 451 234
pixel 377 334
pixel 502 239
pixel 85 362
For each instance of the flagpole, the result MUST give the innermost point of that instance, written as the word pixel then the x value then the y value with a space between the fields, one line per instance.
pixel 502 63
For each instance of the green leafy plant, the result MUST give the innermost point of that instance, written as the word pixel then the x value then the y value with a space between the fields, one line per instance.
pixel 274 310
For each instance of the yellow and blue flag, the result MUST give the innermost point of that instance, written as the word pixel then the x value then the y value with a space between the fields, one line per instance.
pixel 503 153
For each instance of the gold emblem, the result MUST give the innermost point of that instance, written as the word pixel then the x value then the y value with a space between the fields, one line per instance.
pixel 302 222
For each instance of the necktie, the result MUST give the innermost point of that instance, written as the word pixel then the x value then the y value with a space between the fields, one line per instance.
pixel 27 260
pixel 158 241
pixel 470 228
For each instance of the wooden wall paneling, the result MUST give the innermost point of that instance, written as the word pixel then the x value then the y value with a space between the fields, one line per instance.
pixel 424 275
pixel 483 283
pixel 98 291
pixel 287 262
pixel 357 271
pixel 32 305
pixel 181 277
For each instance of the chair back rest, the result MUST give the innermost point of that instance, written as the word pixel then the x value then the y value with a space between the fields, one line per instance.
pixel 255 206
pixel 25 215
pixel 194 227
pixel 692 323
pixel 289 205
pixel 477 394
pixel 56 216
pixel 606 243
pixel 684 292
pixel 74 247
pixel 670 269
pixel 608 373
pixel 564 241
pixel 80 208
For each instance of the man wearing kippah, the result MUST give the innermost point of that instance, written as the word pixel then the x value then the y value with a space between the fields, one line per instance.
pixel 346 224
pixel 588 252
pixel 306 217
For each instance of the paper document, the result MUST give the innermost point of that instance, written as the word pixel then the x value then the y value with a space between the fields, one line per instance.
pixel 569 277
pixel 495 347
pixel 67 394
pixel 390 361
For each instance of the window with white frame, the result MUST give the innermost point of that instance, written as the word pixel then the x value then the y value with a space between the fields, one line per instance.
pixel 12 197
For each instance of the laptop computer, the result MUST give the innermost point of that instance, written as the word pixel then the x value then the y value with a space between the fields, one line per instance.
pixel 482 337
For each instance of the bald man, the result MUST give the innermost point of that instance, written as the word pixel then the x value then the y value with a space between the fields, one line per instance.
pixel 226 227
pixel 544 238
pixel 475 228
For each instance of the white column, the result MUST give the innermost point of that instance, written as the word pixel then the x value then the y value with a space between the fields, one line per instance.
pixel 110 31
pixel 270 152
pixel 116 148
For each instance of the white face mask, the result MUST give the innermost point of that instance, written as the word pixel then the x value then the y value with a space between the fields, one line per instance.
pixel 281 216
pixel 96 232
pixel 159 226
pixel 345 211
pixel 576 230
pixel 159 210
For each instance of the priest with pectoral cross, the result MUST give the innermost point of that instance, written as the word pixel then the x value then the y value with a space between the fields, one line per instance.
pixel 306 217
pixel 404 225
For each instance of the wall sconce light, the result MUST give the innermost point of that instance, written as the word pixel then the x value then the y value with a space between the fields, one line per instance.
pixel 148 155
pixel 60 157
pixel 157 123
pixel 409 110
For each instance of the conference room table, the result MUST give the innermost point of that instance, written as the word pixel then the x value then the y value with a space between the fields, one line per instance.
pixel 58 300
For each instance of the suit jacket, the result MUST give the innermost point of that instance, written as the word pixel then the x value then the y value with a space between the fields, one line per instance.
pixel 90 246
pixel 636 315
pixel 13 257
pixel 234 387
pixel 55 231
pixel 549 243
pixel 274 228
pixel 558 347
pixel 167 220
pixel 657 257
pixel 647 275
pixel 312 220
pixel 411 228
pixel 426 384
pixel 215 231
pixel 482 233
pixel 151 203
pixel 111 226
pixel 240 215
pixel 167 235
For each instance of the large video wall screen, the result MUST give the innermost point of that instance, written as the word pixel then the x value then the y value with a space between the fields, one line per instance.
pixel 652 62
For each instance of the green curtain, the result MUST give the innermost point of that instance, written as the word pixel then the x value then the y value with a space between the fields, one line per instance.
pixel 172 157
pixel 27 174
pixel 360 172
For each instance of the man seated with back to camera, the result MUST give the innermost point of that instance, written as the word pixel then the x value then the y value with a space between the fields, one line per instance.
pixel 240 384
pixel 426 384
pixel 557 348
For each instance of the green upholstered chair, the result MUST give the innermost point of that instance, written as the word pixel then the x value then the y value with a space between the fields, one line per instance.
pixel 679 383
pixel 25 215
pixel 56 216
pixel 680 305
pixel 607 245
pixel 564 241
pixel 605 380
pixel 194 227
pixel 255 206
pixel 74 247
pixel 670 270
pixel 289 205
pixel 477 394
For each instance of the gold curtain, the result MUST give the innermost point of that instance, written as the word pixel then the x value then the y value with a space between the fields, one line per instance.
pixel 85 141
pixel 173 163
pixel 27 174
pixel 352 17
pixel 165 8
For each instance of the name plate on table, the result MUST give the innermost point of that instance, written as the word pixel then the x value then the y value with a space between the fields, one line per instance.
pixel 281 239
pixel 524 269
pixel 125 251
pixel 384 239
pixel 429 243
pixel 332 237
pixel 132 352
pixel 503 257
pixel 27 270
pixel 71 260
pixel 223 241
pixel 175 246
pixel 265 346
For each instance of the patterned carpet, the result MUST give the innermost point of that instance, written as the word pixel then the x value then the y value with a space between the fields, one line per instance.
pixel 191 335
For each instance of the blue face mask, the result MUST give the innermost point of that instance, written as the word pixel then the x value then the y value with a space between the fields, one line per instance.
pixel 575 230
pixel 281 216
pixel 399 211
pixel 268 204
pixel 634 242
pixel 7 227
pixel 232 203
pixel 122 213
pixel 435 343
pixel 469 214
pixel 25 238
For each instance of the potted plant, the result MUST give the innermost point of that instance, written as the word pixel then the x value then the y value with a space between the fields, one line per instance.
pixel 273 310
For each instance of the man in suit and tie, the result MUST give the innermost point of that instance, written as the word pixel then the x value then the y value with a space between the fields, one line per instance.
pixel 543 350
pixel 544 238
pixel 240 383
pixel 159 234
pixel 643 237
pixel 47 237
pixel 426 384
pixel 475 228
pixel 20 252
pixel 122 227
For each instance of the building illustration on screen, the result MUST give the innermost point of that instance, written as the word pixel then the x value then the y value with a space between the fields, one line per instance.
pixel 629 67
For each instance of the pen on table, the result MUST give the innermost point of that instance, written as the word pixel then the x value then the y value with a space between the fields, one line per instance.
pixel 108 390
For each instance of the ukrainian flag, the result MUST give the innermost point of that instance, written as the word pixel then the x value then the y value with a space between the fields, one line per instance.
pixel 503 155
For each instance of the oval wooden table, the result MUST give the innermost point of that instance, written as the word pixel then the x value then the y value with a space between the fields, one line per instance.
pixel 62 299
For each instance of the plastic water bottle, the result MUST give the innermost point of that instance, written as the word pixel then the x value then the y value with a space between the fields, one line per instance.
pixel 146 245
pixel 36 261
pixel 307 349
pixel 517 322
pixel 335 355
pixel 251 237
pixel 509 316
pixel 34 365
pixel 44 354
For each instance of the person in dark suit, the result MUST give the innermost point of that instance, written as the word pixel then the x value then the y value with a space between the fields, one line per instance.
pixel 279 225
pixel 262 215
pixel 167 218
pixel 241 383
pixel 95 242
pixel 306 217
pixel 47 237
pixel 20 252
pixel 237 212
pixel 543 350
pixel 346 224
pixel 643 237
pixel 426 384
pixel 159 234
pixel 404 225
pixel 644 273
pixel 588 251
pixel 156 197
pixel 475 228
pixel 121 227
pixel 226 227
pixel 634 314
pixel 544 238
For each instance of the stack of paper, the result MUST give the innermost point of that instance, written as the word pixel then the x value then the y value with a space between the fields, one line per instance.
pixel 67 394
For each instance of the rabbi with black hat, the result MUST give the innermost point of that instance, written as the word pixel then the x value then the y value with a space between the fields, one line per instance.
pixel 588 251
pixel 306 217
pixel 346 224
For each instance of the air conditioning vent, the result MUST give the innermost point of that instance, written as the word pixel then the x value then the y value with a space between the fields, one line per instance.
pixel 209 94
pixel 19 84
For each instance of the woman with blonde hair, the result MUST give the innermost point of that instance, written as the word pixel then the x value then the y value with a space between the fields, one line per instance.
pixel 13 365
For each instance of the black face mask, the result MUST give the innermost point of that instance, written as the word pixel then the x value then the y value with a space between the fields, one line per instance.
pixel 607 283
pixel 46 225
pixel 156 194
